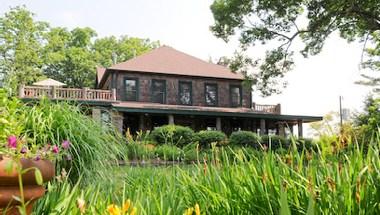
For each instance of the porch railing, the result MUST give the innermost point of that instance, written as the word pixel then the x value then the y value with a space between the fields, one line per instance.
pixel 276 109
pixel 87 94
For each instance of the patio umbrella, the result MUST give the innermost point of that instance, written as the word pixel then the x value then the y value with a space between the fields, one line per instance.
pixel 49 82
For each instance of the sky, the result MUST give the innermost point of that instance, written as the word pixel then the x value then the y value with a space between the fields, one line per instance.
pixel 314 86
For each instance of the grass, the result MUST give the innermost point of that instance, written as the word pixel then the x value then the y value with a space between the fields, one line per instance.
pixel 264 183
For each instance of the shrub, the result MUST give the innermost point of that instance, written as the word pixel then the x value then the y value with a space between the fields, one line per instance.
pixel 274 142
pixel 173 134
pixel 306 144
pixel 168 152
pixel 245 138
pixel 205 138
pixel 136 150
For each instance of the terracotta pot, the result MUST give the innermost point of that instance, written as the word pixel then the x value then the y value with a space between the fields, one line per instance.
pixel 9 183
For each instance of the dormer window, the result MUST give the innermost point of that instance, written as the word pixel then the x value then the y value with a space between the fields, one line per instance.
pixel 159 91
pixel 211 94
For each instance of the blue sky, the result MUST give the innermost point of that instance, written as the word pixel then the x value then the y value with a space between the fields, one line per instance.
pixel 313 87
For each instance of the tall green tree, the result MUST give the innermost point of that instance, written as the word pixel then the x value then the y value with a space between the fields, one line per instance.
pixel 20 47
pixel 69 57
pixel 281 22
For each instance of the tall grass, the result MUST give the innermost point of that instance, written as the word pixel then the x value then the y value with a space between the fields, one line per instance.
pixel 264 183
pixel 94 148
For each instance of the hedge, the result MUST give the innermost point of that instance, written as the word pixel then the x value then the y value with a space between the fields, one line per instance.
pixel 173 134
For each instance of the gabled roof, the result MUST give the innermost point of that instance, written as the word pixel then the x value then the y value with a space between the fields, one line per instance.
pixel 166 60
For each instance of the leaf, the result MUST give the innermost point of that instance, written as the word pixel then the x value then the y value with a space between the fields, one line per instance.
pixel 311 206
pixel 9 167
pixel 284 208
pixel 38 176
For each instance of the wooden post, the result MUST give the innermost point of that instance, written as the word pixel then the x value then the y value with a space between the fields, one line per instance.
pixel 170 119
pixel 300 129
pixel 262 127
pixel 281 129
pixel 253 106
pixel 141 122
pixel 84 93
pixel 218 123
pixel 53 92
pixel 114 94
pixel 21 92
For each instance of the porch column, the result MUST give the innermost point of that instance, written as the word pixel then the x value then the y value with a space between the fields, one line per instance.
pixel 281 129
pixel 141 122
pixel 218 123
pixel 262 126
pixel 300 129
pixel 171 119
pixel 117 120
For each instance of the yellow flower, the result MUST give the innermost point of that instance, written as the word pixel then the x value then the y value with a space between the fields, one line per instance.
pixel 81 204
pixel 134 211
pixel 113 209
pixel 189 211
pixel 197 209
pixel 126 205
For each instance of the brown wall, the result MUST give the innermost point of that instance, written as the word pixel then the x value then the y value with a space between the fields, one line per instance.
pixel 172 88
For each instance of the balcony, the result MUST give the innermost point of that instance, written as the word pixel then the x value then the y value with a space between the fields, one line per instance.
pixel 274 109
pixel 85 94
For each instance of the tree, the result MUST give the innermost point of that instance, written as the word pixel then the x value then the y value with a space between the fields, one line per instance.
pixel 69 57
pixel 20 47
pixel 281 22
pixel 369 120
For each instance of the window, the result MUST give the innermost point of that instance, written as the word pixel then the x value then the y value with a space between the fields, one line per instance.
pixel 159 91
pixel 211 94
pixel 185 93
pixel 235 96
pixel 131 89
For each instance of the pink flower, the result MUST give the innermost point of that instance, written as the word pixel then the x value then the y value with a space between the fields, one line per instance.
pixel 23 150
pixel 12 141
pixel 65 144
pixel 55 149
pixel 37 158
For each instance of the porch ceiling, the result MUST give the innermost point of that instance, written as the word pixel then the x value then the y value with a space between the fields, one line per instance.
pixel 139 107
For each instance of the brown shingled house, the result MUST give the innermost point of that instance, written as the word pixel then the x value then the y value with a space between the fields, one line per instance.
pixel 166 86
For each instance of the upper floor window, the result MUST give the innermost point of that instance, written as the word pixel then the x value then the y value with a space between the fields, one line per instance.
pixel 235 95
pixel 159 91
pixel 185 93
pixel 211 94
pixel 131 89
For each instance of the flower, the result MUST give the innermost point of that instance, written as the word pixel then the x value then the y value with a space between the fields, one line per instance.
pixel 126 205
pixel 12 141
pixel 113 209
pixel 134 211
pixel 65 144
pixel 37 158
pixel 55 149
pixel 197 209
pixel 81 204
pixel 23 150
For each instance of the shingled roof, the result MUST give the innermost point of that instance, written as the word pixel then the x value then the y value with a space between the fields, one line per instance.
pixel 166 60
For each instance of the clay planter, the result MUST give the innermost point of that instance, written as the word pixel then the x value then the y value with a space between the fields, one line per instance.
pixel 9 184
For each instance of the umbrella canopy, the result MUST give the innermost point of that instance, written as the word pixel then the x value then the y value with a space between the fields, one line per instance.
pixel 49 82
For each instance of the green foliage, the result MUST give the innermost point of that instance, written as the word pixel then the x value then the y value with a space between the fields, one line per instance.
pixel 251 183
pixel 280 22
pixel 93 147
pixel 20 48
pixel 31 50
pixel 173 134
pixel 274 142
pixel 169 152
pixel 138 151
pixel 245 138
pixel 369 120
pixel 205 138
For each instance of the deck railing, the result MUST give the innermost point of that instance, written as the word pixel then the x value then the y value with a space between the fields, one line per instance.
pixel 276 109
pixel 86 94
